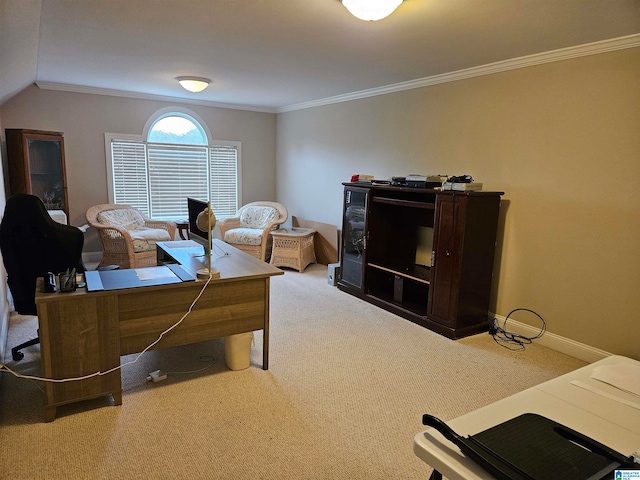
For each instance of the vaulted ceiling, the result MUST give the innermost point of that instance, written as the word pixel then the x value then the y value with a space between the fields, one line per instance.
pixel 273 54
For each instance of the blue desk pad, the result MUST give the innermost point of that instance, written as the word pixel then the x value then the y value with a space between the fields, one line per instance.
pixel 136 277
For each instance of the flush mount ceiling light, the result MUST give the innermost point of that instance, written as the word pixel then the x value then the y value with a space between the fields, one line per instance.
pixel 194 84
pixel 371 10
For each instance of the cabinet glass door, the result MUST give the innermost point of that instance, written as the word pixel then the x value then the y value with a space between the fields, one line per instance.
pixel 46 173
pixel 353 231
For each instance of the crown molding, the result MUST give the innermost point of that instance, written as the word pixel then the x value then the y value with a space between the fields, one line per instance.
pixel 65 87
pixel 594 48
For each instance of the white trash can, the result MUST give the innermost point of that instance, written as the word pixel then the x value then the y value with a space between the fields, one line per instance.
pixel 237 350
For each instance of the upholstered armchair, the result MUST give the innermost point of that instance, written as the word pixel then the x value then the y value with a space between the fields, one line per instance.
pixel 128 236
pixel 249 229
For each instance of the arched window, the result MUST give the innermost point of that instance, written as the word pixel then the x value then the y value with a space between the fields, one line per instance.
pixel 177 128
pixel 175 160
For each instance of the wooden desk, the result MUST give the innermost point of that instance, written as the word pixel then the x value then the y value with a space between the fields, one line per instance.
pixel 85 332
pixel 606 420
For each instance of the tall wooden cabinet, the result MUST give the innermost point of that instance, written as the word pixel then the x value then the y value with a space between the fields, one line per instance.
pixel 426 255
pixel 37 166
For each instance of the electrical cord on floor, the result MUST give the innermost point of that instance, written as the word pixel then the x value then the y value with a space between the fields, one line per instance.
pixel 4 368
pixel 510 340
pixel 211 360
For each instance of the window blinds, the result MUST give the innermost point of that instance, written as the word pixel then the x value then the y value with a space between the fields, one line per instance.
pixel 158 178
pixel 223 164
pixel 175 173
pixel 129 168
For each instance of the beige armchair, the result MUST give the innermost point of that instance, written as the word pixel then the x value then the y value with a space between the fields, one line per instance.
pixel 249 229
pixel 128 236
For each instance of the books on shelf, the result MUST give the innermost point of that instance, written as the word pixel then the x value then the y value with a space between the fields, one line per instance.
pixel 462 187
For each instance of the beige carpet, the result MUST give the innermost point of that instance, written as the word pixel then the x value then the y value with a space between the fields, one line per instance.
pixel 344 396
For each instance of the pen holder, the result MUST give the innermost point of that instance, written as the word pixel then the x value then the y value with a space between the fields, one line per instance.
pixel 67 282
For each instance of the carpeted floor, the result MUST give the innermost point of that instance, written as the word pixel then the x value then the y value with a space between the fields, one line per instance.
pixel 343 398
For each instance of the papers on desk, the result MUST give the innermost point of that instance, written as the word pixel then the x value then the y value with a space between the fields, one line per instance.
pixel 154 273
pixel 622 376
pixel 183 244
pixel 602 393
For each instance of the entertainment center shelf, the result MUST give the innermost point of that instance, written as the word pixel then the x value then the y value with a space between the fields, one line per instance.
pixel 417 272
pixel 424 254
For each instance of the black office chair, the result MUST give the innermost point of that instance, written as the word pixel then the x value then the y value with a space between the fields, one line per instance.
pixel 32 245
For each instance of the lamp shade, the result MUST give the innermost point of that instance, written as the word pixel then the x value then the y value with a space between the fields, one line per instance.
pixel 194 84
pixel 206 220
pixel 371 10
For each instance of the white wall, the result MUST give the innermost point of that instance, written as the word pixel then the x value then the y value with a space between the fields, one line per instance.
pixel 558 139
pixel 19 37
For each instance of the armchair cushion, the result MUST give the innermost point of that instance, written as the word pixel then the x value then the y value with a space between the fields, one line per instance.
pixel 244 236
pixel 121 217
pixel 144 238
pixel 258 217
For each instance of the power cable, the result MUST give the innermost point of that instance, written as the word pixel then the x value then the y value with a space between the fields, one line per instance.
pixel 510 340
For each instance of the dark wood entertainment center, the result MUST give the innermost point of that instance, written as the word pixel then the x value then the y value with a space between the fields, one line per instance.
pixel 424 254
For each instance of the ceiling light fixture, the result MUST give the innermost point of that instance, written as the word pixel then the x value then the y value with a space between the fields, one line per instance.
pixel 371 10
pixel 194 84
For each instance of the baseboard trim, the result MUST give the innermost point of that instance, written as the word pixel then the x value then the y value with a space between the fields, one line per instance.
pixel 555 342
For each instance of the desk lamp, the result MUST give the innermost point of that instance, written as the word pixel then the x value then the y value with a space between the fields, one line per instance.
pixel 206 221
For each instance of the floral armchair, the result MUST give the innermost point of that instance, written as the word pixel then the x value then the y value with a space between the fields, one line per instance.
pixel 128 236
pixel 249 229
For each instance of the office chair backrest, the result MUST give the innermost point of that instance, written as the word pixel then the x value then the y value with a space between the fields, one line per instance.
pixel 32 244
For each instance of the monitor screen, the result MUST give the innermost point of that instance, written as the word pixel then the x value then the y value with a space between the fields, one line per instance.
pixel 195 207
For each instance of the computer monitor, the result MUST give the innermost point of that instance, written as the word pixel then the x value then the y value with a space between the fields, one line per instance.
pixel 195 207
